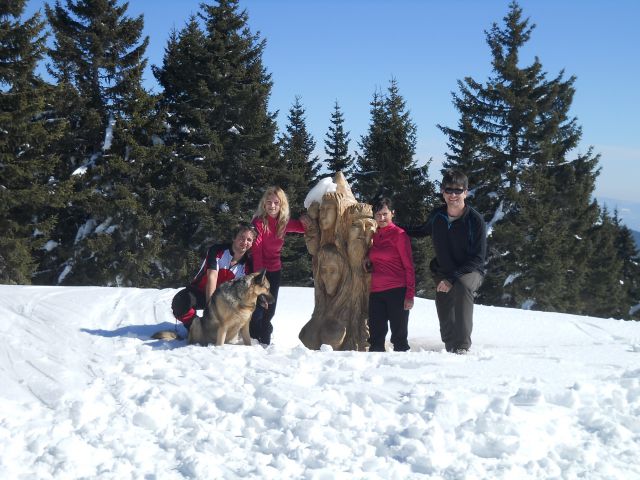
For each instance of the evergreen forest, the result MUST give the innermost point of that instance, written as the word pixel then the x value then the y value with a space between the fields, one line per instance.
pixel 104 183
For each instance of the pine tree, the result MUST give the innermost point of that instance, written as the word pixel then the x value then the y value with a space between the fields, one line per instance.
pixel 220 141
pixel 577 213
pixel 367 184
pixel 300 168
pixel 198 209
pixel 533 271
pixel 107 235
pixel 336 146
pixel 513 139
pixel 298 175
pixel 386 168
pixel 239 88
pixel 604 292
pixel 386 165
pixel 628 253
pixel 29 193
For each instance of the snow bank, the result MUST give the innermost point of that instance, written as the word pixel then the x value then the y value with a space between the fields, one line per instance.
pixel 87 394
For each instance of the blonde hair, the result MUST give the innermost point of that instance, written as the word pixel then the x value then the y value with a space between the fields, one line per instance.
pixel 283 215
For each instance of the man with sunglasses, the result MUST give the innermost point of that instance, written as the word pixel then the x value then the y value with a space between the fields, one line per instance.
pixel 459 235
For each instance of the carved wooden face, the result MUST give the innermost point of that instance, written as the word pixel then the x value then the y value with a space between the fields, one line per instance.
pixel 360 234
pixel 328 215
pixel 331 273
pixel 370 226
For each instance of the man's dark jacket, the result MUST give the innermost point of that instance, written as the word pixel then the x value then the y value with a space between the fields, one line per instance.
pixel 461 246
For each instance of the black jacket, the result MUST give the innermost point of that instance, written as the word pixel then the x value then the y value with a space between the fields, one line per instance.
pixel 461 246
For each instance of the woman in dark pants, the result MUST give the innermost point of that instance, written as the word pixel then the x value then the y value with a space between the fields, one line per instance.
pixel 392 281
pixel 272 221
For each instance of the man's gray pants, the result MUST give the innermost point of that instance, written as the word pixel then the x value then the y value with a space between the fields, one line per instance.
pixel 455 311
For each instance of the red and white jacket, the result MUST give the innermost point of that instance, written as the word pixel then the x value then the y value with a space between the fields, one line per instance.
pixel 392 261
pixel 219 258
pixel 267 246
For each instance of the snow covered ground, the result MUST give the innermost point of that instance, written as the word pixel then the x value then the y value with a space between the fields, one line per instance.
pixel 86 394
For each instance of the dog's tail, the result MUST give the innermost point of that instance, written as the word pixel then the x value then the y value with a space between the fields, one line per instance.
pixel 166 335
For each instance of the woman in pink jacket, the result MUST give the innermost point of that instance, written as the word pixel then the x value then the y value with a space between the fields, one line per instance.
pixel 392 281
pixel 272 221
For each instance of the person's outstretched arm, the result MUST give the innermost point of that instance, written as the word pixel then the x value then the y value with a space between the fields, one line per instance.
pixel 423 230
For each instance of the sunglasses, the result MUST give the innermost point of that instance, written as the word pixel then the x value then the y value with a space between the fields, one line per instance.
pixel 451 191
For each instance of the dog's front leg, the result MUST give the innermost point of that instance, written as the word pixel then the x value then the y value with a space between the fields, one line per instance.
pixel 221 336
pixel 244 331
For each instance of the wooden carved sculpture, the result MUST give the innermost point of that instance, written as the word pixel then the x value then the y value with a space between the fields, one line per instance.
pixel 338 240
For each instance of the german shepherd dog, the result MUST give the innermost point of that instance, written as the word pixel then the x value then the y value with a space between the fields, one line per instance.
pixel 228 311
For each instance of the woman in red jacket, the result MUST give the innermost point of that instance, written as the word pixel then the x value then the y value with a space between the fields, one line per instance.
pixel 272 221
pixel 392 281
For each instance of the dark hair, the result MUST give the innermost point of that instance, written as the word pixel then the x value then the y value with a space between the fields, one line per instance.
pixel 243 227
pixel 380 203
pixel 455 178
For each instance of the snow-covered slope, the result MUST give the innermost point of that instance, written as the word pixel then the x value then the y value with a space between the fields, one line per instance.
pixel 86 394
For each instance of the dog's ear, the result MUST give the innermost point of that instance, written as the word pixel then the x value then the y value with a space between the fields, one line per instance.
pixel 258 279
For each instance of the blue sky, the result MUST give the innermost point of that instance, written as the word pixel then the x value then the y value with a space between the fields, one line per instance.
pixel 346 49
